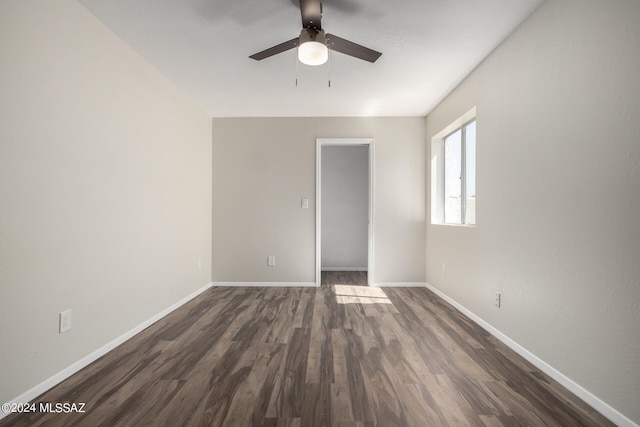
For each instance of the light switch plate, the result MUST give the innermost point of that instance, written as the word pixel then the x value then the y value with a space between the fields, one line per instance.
pixel 65 321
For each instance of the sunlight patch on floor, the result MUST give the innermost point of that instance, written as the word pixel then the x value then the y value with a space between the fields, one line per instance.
pixel 346 294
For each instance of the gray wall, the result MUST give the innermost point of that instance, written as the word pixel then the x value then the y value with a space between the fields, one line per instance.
pixel 105 190
pixel 558 180
pixel 262 167
pixel 345 207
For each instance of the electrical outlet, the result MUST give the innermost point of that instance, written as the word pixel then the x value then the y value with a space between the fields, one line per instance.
pixel 444 269
pixel 65 321
pixel 271 261
pixel 497 300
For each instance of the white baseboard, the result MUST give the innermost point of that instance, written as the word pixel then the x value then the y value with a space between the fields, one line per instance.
pixel 92 357
pixel 344 269
pixel 595 402
pixel 266 284
pixel 400 284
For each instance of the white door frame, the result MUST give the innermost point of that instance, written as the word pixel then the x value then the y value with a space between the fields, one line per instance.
pixel 343 142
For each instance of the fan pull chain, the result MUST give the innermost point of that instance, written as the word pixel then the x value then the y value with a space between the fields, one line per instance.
pixel 329 56
pixel 296 58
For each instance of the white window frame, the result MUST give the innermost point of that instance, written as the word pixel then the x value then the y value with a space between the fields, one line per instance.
pixel 438 170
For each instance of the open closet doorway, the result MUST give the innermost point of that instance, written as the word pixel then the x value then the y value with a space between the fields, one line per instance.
pixel 344 207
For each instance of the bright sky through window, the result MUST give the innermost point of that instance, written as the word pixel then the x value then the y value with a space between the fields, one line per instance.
pixel 460 175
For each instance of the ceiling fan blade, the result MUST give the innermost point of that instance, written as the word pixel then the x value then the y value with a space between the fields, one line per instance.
pixel 344 6
pixel 290 44
pixel 352 49
pixel 311 11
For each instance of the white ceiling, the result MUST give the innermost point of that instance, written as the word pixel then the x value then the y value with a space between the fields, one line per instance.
pixel 202 46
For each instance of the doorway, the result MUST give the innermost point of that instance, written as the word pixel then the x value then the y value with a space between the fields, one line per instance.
pixel 344 205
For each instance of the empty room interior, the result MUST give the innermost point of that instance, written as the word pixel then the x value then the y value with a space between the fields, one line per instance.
pixel 218 212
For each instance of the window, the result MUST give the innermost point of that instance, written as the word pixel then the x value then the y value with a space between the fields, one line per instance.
pixel 453 173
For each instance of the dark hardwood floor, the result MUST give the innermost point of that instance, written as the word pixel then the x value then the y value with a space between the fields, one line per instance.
pixel 353 278
pixel 342 355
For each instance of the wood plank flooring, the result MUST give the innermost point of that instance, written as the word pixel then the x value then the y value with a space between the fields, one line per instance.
pixel 342 355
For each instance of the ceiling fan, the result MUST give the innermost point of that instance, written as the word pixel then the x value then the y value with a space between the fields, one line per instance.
pixel 313 44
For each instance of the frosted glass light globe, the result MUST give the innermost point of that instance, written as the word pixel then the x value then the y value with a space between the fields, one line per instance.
pixel 313 53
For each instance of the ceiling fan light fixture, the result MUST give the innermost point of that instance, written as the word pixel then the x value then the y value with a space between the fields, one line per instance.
pixel 313 49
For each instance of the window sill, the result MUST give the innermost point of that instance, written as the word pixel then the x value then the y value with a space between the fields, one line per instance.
pixel 446 224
